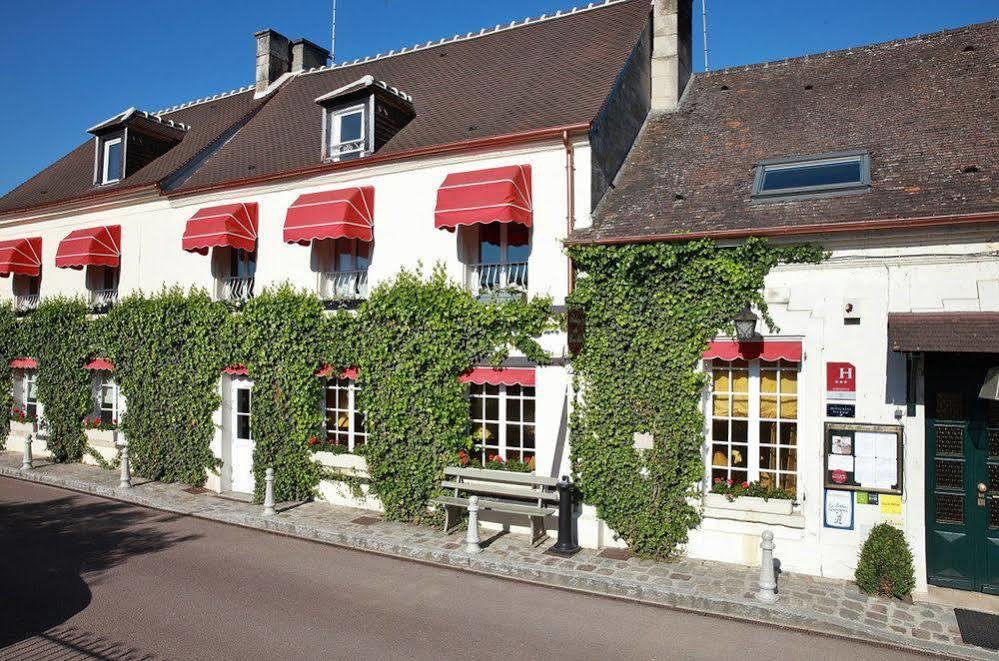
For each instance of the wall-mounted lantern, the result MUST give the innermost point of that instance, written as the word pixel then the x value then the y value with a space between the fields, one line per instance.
pixel 745 324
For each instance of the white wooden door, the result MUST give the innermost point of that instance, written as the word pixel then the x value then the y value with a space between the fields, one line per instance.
pixel 241 437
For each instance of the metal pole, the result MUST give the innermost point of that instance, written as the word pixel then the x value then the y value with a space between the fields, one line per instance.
pixel 768 581
pixel 565 546
pixel 26 462
pixel 472 538
pixel 333 36
pixel 704 30
pixel 269 493
pixel 126 469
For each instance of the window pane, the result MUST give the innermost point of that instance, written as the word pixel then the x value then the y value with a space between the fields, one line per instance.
pixel 513 436
pixel 740 431
pixel 768 381
pixel 721 408
pixel 518 246
pixel 789 483
pixel 740 455
pixel 489 243
pixel 243 426
pixel 721 381
pixel 719 455
pixel 768 406
pixel 363 255
pixel 740 406
pixel 788 381
pixel 768 432
pixel 719 430
pixel 350 127
pixel 739 477
pixel 529 408
pixel 529 437
pixel 767 480
pixel 788 459
pixel 740 381
pixel 492 408
pixel 788 433
pixel 788 408
pixel 113 155
pixel 768 458
pixel 814 174
pixel 512 408
pixel 242 400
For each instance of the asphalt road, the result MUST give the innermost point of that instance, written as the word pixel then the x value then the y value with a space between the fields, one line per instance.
pixel 85 577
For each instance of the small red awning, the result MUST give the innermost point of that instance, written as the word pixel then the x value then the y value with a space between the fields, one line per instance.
pixel 100 365
pixel 496 195
pixel 337 214
pixel 24 364
pixel 232 225
pixel 95 246
pixel 767 350
pixel 499 377
pixel 236 370
pixel 21 256
pixel 327 370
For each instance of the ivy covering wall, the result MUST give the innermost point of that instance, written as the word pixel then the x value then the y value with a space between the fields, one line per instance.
pixel 650 311
pixel 8 344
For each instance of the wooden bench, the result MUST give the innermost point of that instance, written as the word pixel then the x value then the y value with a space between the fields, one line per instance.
pixel 500 491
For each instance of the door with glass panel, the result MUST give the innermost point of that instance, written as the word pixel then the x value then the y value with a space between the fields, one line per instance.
pixel 240 437
pixel 962 474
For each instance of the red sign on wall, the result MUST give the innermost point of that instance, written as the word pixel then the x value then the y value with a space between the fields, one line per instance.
pixel 841 381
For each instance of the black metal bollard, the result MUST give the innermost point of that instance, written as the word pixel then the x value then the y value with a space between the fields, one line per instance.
pixel 565 546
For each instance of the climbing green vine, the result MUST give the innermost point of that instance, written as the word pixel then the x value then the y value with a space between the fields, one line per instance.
pixel 8 344
pixel 650 311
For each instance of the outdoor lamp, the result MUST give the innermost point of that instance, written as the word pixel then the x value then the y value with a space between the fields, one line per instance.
pixel 745 324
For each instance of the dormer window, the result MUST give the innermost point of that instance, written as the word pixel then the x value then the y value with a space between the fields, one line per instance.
pixel 822 174
pixel 346 133
pixel 113 160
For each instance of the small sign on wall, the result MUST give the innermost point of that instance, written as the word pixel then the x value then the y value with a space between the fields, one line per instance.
pixel 841 410
pixel 841 381
pixel 838 509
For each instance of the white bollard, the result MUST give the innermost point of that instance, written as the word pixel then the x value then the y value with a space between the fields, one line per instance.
pixel 472 538
pixel 768 581
pixel 26 462
pixel 126 469
pixel 269 492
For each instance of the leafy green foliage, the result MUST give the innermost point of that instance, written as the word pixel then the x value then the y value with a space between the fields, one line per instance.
pixel 754 489
pixel 56 335
pixel 885 566
pixel 168 351
pixel 8 344
pixel 650 311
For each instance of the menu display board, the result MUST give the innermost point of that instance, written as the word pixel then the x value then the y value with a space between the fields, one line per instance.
pixel 862 457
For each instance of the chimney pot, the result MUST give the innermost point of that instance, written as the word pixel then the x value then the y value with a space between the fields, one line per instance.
pixel 273 58
pixel 671 44
pixel 306 55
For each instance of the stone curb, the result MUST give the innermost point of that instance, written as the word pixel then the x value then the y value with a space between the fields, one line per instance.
pixel 700 603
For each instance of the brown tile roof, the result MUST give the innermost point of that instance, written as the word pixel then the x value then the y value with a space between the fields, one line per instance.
pixel 72 176
pixel 975 332
pixel 925 108
pixel 543 74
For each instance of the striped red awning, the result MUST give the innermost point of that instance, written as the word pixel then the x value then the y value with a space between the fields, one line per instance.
pixel 21 256
pixel 499 377
pixel 95 246
pixel 100 365
pixel 496 195
pixel 347 213
pixel 236 370
pixel 232 225
pixel 327 371
pixel 24 364
pixel 767 350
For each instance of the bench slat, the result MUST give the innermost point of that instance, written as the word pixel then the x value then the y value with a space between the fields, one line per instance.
pixel 502 490
pixel 497 506
pixel 501 476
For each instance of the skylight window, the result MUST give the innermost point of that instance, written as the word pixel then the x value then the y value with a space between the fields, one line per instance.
pixel 813 175
pixel 113 150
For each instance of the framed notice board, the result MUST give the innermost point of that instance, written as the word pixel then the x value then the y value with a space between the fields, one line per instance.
pixel 862 457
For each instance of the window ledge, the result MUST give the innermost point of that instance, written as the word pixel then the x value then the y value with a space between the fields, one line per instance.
pixel 718 506
pixel 349 464
pixel 101 437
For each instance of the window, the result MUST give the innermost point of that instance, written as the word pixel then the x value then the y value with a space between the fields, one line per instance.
pixel 344 423
pixel 107 403
pixel 754 422
pixel 29 393
pixel 345 269
pixel 237 286
pixel 345 133
pixel 102 281
pixel 813 174
pixel 501 258
pixel 113 153
pixel 27 292
pixel 243 410
pixel 502 422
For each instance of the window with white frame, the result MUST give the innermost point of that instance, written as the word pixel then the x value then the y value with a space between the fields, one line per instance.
pixel 113 154
pixel 29 393
pixel 502 422
pixel 243 411
pixel 107 402
pixel 344 268
pixel 500 260
pixel 754 423
pixel 344 422
pixel 346 133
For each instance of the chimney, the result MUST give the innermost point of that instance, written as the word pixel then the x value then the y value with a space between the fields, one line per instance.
pixel 306 55
pixel 273 58
pixel 671 26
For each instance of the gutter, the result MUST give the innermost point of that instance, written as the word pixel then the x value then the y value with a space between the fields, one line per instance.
pixel 917 222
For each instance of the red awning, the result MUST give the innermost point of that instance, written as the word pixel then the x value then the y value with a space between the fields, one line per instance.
pixel 767 350
pixel 21 256
pixel 236 370
pixel 496 195
pixel 337 214
pixel 100 365
pixel 327 370
pixel 96 246
pixel 499 377
pixel 24 364
pixel 233 225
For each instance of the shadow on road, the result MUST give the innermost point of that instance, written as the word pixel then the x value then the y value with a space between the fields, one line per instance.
pixel 68 642
pixel 47 547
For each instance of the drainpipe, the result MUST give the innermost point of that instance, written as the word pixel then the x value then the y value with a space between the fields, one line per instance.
pixel 570 197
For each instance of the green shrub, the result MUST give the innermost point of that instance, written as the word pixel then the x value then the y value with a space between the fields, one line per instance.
pixel 885 565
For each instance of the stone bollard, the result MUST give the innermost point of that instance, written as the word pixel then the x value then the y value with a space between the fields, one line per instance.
pixel 26 462
pixel 126 469
pixel 472 538
pixel 269 492
pixel 768 581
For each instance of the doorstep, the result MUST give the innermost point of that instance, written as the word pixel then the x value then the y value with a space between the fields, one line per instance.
pixel 825 606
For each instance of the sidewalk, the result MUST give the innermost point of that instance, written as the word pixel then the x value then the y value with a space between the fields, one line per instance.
pixel 826 606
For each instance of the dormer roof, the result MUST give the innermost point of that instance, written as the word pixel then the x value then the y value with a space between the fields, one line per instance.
pixel 134 115
pixel 362 83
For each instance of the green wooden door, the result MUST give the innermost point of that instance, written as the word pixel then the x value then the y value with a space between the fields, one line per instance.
pixel 962 474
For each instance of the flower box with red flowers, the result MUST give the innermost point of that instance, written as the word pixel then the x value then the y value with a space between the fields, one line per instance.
pixel 96 423
pixel 19 415
pixel 752 496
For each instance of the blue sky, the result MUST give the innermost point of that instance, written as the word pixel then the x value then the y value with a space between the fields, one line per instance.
pixel 61 75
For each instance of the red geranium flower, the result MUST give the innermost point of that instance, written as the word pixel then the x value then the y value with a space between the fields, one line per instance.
pixel 717 480
pixel 728 481
pixel 313 440
pixel 745 485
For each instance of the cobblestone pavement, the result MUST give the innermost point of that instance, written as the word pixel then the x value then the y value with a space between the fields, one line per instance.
pixel 822 605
